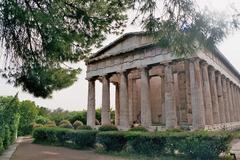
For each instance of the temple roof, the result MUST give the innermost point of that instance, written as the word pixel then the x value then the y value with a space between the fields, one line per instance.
pixel 140 40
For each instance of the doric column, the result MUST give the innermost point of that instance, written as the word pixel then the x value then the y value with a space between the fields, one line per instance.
pixel 230 101
pixel 105 113
pixel 146 119
pixel 117 104
pixel 212 77
pixel 91 112
pixel 198 113
pixel 225 98
pixel 130 100
pixel 188 92
pixel 238 102
pixel 233 102
pixel 220 98
pixel 207 95
pixel 170 106
pixel 124 110
pixel 163 99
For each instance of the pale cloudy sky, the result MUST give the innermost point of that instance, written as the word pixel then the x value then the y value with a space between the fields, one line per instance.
pixel 75 97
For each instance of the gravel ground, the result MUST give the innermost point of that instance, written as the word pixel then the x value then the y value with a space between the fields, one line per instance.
pixel 28 151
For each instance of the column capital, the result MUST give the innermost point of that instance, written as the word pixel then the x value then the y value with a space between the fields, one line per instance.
pixel 91 78
pixel 204 63
pixel 194 59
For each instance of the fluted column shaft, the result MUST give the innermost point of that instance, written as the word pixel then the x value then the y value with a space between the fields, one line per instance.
pixel 233 102
pixel 117 104
pixel 226 100
pixel 230 101
pixel 220 98
pixel 105 112
pixel 170 106
pixel 146 119
pixel 91 112
pixel 216 115
pixel 207 95
pixel 124 110
pixel 196 95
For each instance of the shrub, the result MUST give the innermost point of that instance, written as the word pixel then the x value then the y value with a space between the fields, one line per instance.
pixel 112 140
pixel 83 139
pixel 35 125
pixel 45 135
pixel 77 124
pixel 108 128
pixel 65 124
pixel 65 137
pixel 84 127
pixel 28 112
pixel 41 120
pixel 50 124
pixel 205 145
pixel 146 143
pixel 138 128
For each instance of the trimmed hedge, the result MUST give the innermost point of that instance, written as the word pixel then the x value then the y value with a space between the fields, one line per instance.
pixel 139 129
pixel 112 140
pixel 195 145
pixel 65 137
pixel 109 127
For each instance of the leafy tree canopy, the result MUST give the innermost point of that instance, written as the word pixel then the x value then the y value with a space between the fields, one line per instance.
pixel 39 36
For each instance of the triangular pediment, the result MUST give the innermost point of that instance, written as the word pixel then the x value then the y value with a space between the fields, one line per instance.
pixel 126 43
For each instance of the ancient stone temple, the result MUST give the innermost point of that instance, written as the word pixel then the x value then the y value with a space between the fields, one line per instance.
pixel 161 91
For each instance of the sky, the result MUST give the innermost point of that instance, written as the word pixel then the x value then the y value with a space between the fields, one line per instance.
pixel 74 98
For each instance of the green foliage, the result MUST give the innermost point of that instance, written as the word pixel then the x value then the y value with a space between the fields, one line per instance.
pixel 108 128
pixel 45 135
pixel 84 127
pixel 50 124
pixel 35 125
pixel 61 136
pixel 138 128
pixel 41 120
pixel 9 121
pixel 83 138
pixel 41 37
pixel 205 145
pixel 28 113
pixel 65 124
pixel 182 27
pixel 77 116
pixel 146 143
pixel 194 145
pixel 112 140
pixel 77 124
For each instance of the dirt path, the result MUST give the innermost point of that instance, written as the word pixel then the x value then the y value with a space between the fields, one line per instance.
pixel 28 151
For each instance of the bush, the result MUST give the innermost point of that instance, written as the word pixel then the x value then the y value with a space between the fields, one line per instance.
pixel 65 124
pixel 205 145
pixel 41 120
pixel 112 140
pixel 84 127
pixel 65 137
pixel 77 124
pixel 50 124
pixel 28 113
pixel 138 128
pixel 108 128
pixel 146 143
pixel 45 135
pixel 83 139
pixel 35 125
